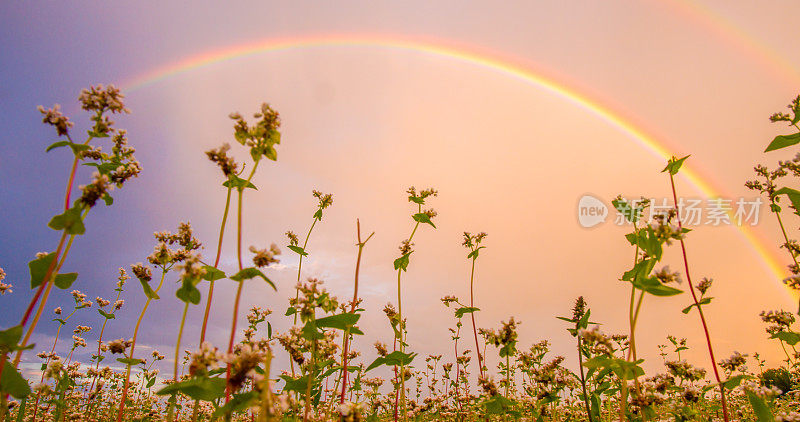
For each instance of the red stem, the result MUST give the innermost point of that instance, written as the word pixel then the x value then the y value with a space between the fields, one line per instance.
pixel 694 297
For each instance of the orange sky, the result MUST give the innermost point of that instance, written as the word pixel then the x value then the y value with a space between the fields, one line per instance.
pixel 509 158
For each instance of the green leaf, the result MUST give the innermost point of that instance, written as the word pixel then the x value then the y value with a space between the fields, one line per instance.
pixel 148 291
pixel 58 144
pixel 106 314
pixel 318 214
pixel 237 182
pixel 21 410
pixel 340 321
pixel 790 337
pixel 783 141
pixel 640 270
pixel 673 165
pixel 760 408
pixel 10 337
pixel 70 221
pixel 703 301
pixel 311 332
pixel 398 358
pixel 395 358
pixel 206 389
pixel 38 268
pixel 794 197
pixel 237 403
pixel 271 153
pixel 376 363
pixel 654 287
pixel 212 273
pixel 474 254
pixel 622 368
pixel 625 208
pixel 423 218
pixel 734 381
pixel 465 310
pixel 295 384
pixel 188 293
pixel 402 262
pixel 298 250
pixel 76 148
pixel 130 361
pixel 497 404
pixel 251 272
pixel 11 382
pixel 108 199
pixel 63 281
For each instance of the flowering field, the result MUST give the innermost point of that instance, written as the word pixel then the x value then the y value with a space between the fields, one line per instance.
pixel 489 373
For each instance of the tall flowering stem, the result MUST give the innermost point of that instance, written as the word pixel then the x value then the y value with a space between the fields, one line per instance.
pixel 473 243
pixel 100 101
pixel 144 274
pixel 672 168
pixel 323 201
pixel 216 264
pixel 353 304
pixel 261 139
pixel 401 265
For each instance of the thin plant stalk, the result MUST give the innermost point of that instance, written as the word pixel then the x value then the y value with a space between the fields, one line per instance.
pixel 786 238
pixel 472 316
pixel 583 381
pixel 697 304
pixel 47 362
pixel 346 345
pixel 216 262
pixel 402 394
pixel 177 356
pixel 50 280
pixel 133 346
pixel 239 289
pixel 299 270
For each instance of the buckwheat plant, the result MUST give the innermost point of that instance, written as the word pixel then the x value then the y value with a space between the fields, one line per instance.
pixel 261 139
pixel 672 168
pixel 460 375
pixel 229 168
pixel 313 347
pixel 324 200
pixel 112 169
pixel 473 243
pixel 171 250
pixel 580 319
pixel 353 308
pixel 769 188
pixel 649 242
pixel 401 265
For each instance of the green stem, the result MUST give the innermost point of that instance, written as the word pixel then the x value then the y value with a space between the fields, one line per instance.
pixel 133 346
pixel 49 280
pixel 297 287
pixel 402 394
pixel 794 258
pixel 472 316
pixel 216 262
pixel 239 290
pixel 177 356
pixel 583 380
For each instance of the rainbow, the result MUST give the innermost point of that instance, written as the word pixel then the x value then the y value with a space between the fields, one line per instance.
pixel 502 65
pixel 736 39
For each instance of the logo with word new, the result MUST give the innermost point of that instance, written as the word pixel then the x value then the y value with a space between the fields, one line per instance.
pixel 591 211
